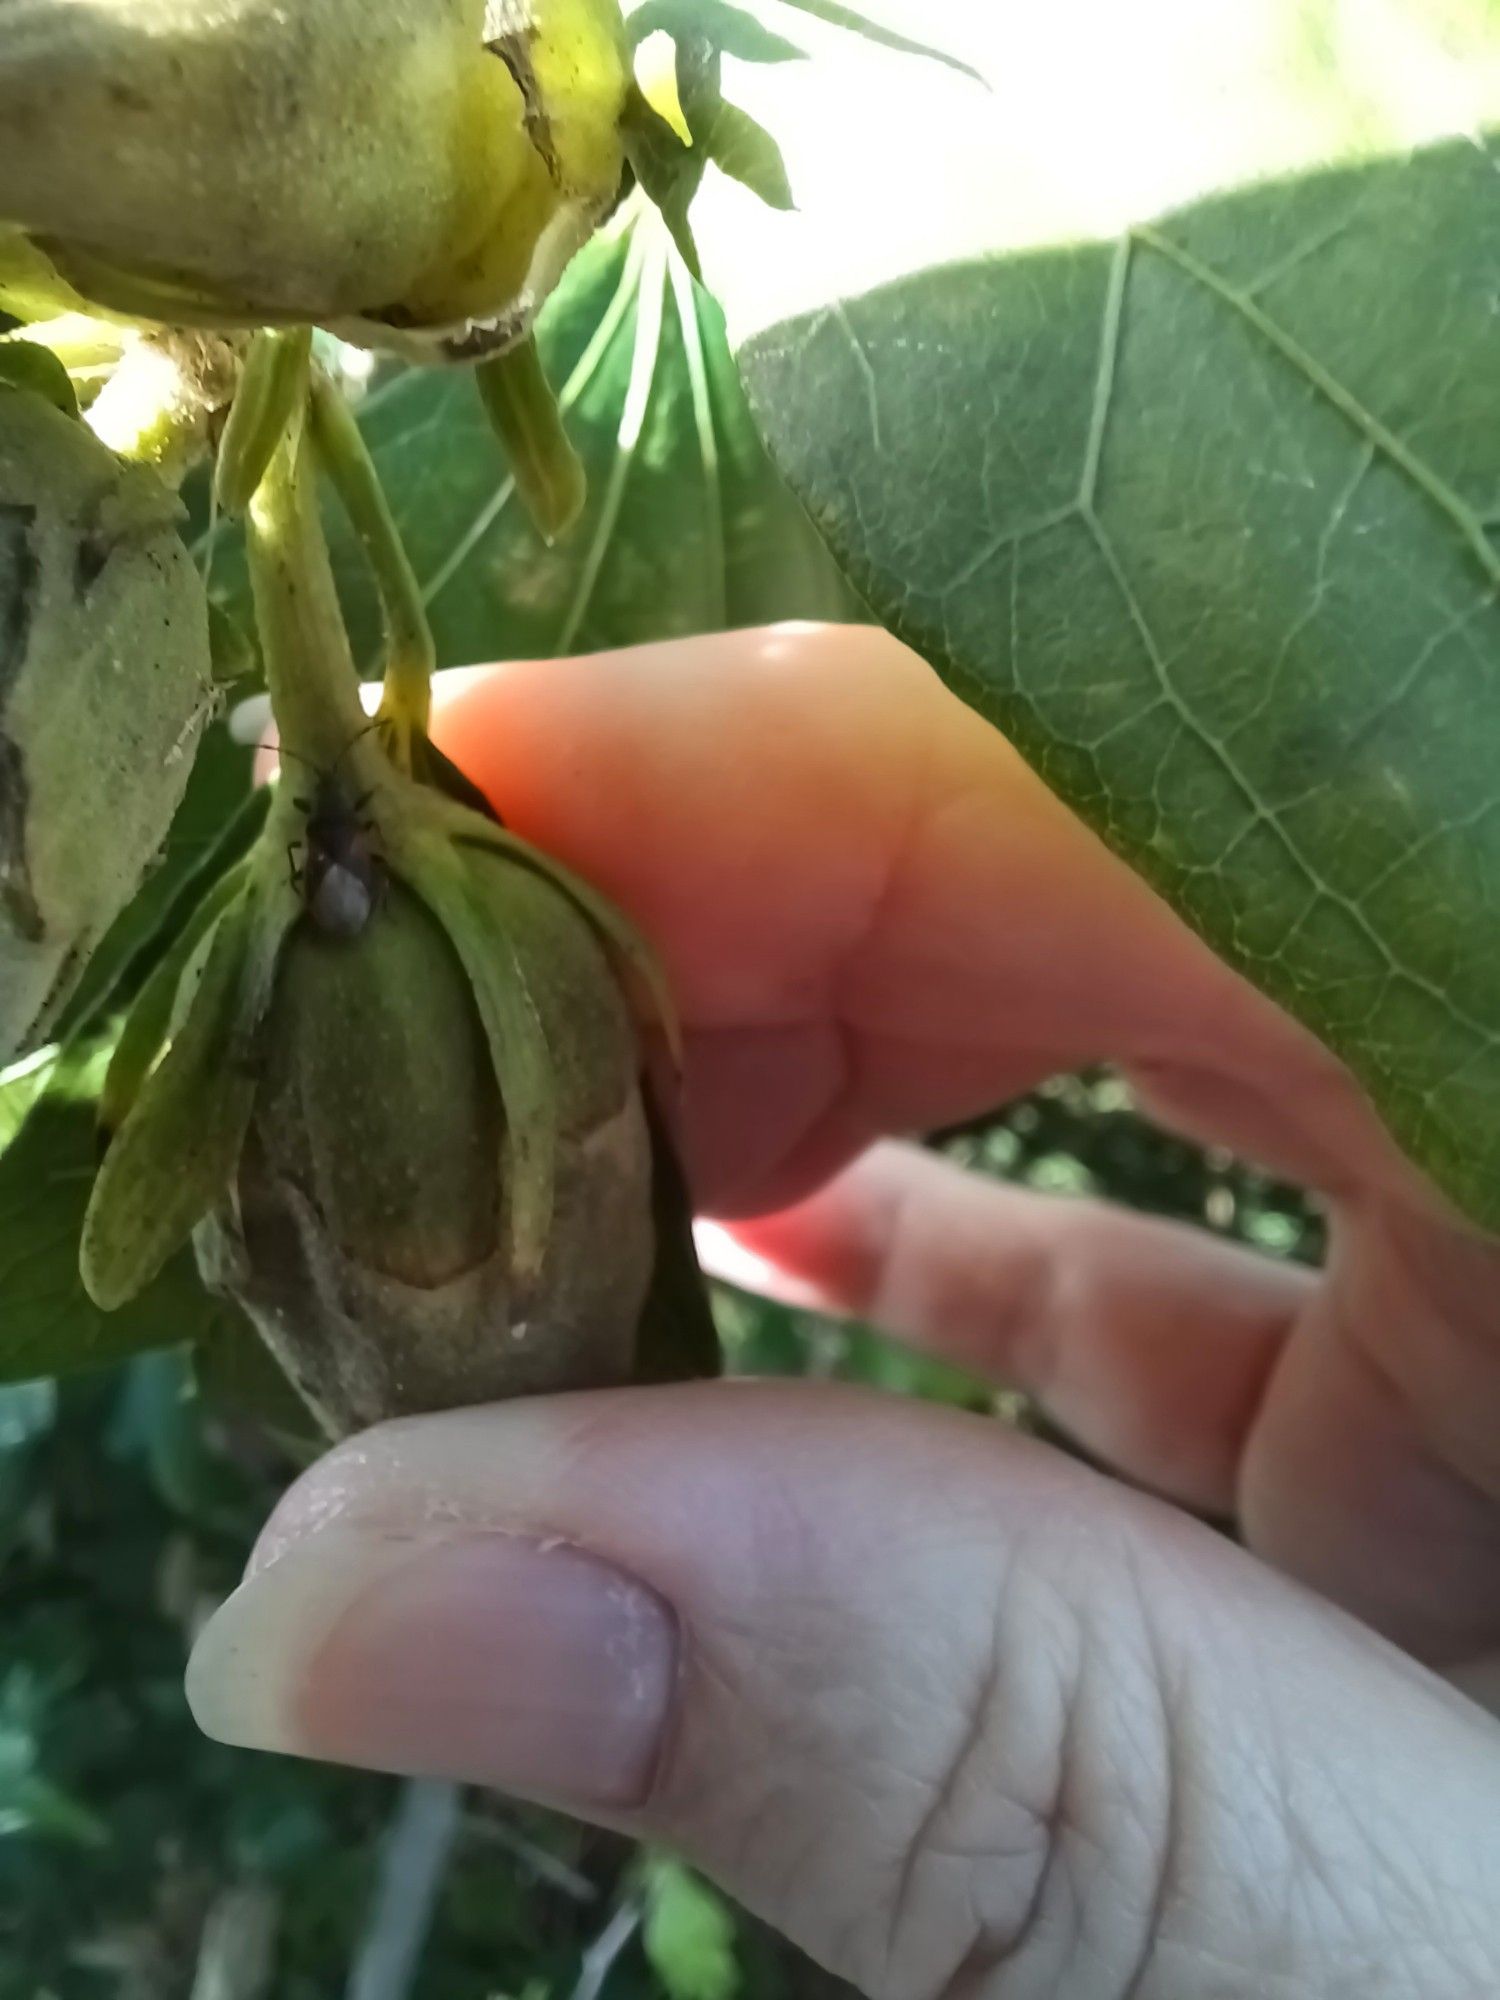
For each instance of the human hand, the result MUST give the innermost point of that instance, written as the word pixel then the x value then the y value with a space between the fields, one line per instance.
pixel 956 1713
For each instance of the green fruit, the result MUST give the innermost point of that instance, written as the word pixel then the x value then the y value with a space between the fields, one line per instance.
pixel 370 1230
pixel 415 171
pixel 412 1132
pixel 105 686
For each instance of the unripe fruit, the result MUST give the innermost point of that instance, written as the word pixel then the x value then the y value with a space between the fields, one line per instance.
pixel 105 685
pixel 369 1230
pixel 404 1111
pixel 413 170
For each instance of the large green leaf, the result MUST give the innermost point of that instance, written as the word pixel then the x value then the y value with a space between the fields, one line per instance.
pixel 1155 398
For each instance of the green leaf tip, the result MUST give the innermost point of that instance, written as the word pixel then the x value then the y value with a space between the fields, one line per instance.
pixel 731 30
pixel 689 1934
pixel 742 148
pixel 834 15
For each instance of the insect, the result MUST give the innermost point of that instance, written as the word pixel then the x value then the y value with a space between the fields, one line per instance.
pixel 336 867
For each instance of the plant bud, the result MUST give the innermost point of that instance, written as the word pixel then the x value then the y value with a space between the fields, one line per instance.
pixel 403 1111
pixel 370 1230
pixel 105 685
pixel 407 171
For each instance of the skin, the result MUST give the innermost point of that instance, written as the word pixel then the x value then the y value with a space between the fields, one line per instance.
pixel 959 1714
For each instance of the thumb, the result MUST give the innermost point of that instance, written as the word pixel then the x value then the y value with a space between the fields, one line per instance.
pixel 956 1714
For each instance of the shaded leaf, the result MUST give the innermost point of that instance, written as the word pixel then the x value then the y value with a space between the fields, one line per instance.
pixel 50 1325
pixel 1200 503
pixel 175 1152
pixel 27 1412
pixel 668 171
pixel 31 1804
pixel 686 528
pixel 157 1424
pixel 21 1084
pixel 837 16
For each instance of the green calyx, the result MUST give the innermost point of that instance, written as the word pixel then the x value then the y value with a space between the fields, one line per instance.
pixel 178 1143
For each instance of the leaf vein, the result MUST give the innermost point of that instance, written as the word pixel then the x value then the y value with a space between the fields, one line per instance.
pixel 1268 814
pixel 866 369
pixel 1104 382
pixel 1333 391
pixel 650 310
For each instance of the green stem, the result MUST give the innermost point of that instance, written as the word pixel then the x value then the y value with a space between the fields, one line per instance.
pixel 522 407
pixel 309 667
pixel 271 395
pixel 411 655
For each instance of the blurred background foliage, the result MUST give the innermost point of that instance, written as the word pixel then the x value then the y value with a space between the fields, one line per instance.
pixel 139 1862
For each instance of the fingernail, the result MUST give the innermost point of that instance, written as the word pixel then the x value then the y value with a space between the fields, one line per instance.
pixel 486 1657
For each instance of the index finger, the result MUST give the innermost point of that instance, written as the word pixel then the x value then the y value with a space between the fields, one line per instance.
pixel 875 916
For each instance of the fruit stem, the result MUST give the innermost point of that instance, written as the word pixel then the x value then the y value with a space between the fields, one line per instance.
pixel 309 667
pixel 270 394
pixel 411 654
